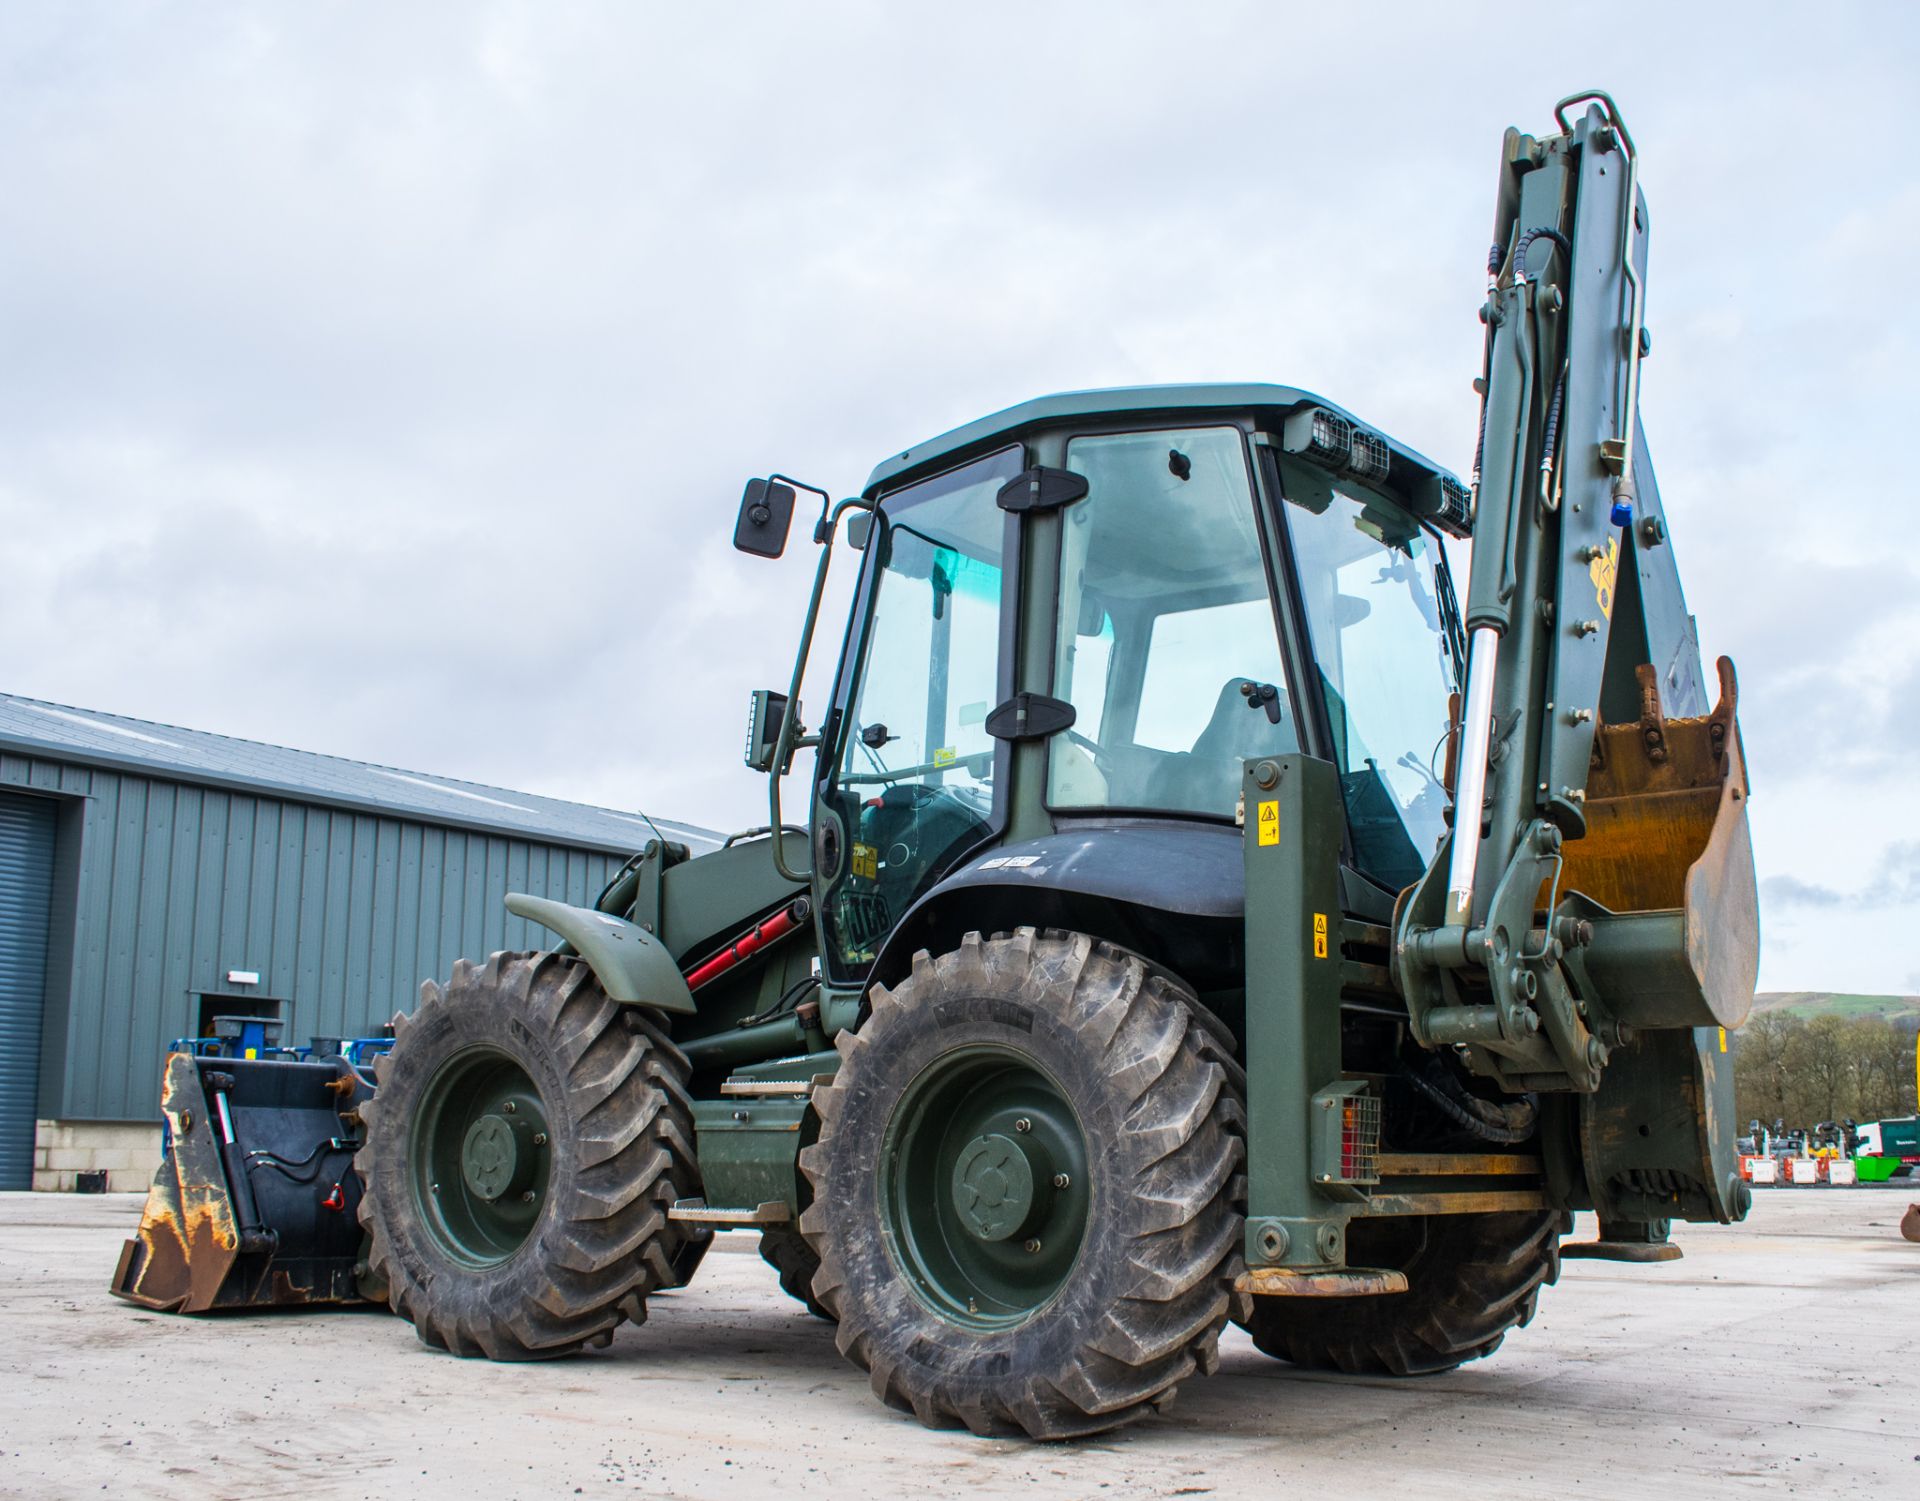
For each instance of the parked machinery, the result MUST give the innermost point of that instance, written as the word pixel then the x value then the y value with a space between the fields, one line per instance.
pixel 1137 969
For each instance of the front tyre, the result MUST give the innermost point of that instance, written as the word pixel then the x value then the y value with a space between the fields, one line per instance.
pixel 1026 1187
pixel 524 1145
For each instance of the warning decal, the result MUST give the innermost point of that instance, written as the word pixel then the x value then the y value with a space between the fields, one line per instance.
pixel 1270 821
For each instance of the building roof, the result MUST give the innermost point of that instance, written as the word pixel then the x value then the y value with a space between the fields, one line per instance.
pixel 60 733
pixel 1121 401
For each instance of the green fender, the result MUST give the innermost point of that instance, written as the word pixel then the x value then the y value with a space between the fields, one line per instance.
pixel 633 966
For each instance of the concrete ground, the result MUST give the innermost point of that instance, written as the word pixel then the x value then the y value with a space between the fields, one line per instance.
pixel 1781 1356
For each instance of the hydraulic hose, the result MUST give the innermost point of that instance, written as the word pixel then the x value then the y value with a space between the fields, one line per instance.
pixel 1515 1123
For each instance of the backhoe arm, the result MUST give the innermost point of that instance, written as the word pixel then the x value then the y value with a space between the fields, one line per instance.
pixel 1597 892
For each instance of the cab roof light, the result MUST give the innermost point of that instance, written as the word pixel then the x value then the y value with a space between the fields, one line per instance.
pixel 1371 456
pixel 1446 502
pixel 1320 437
pixel 1341 447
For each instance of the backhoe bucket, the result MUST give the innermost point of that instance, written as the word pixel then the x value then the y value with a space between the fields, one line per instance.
pixel 1665 876
pixel 256 1202
pixel 1665 872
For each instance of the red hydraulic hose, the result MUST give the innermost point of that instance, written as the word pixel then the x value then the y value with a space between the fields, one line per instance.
pixel 770 930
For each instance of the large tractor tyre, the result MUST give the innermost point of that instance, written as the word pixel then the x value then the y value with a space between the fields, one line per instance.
pixel 1470 1279
pixel 526 1141
pixel 1028 1185
pixel 786 1250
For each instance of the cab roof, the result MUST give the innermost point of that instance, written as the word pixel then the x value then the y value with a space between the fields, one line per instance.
pixel 1121 401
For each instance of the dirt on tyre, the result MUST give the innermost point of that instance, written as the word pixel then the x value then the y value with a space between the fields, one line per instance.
pixel 526 1141
pixel 1028 1185
pixel 1470 1279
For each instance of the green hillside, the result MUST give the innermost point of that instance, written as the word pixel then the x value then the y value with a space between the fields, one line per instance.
pixel 1807 1004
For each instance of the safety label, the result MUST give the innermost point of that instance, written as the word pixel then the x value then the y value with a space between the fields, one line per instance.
pixel 1319 935
pixel 1270 821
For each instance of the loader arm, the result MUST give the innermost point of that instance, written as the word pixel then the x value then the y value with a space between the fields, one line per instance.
pixel 1589 927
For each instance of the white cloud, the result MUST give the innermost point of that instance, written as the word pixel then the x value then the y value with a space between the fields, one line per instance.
pixel 381 381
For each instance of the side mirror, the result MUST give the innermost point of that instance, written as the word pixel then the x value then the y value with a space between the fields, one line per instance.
pixel 766 516
pixel 766 713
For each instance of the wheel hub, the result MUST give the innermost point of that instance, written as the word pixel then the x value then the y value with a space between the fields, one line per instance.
pixel 985 1186
pixel 491 1159
pixel 993 1187
pixel 480 1159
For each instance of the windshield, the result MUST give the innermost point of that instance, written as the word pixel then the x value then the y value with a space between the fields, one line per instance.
pixel 912 784
pixel 1386 666
pixel 1167 648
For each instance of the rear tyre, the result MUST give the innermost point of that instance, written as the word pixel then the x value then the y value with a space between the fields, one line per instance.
pixel 1027 1185
pixel 1470 1279
pixel 526 1141
pixel 787 1252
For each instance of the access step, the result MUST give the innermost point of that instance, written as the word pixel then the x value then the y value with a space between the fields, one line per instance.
pixel 700 1212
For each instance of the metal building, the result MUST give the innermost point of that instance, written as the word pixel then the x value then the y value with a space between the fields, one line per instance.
pixel 152 878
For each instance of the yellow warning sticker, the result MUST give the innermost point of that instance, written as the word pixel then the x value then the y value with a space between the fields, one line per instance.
pixel 1319 935
pixel 1723 1039
pixel 1604 570
pixel 944 756
pixel 1270 821
pixel 866 862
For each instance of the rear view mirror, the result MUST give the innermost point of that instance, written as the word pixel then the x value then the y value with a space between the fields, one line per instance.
pixel 766 515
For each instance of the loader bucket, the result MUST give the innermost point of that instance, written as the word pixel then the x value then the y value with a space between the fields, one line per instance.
pixel 255 1203
pixel 1665 871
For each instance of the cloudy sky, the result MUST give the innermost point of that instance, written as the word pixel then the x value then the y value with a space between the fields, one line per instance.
pixel 380 380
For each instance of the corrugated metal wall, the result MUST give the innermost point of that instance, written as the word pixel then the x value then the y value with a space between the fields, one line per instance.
pixel 26 886
pixel 342 913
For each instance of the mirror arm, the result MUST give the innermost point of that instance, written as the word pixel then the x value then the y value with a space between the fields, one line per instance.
pixel 788 742
pixel 823 528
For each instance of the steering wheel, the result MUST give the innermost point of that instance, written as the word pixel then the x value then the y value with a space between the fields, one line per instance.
pixel 1102 761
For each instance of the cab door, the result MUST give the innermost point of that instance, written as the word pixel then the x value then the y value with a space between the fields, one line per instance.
pixel 910 780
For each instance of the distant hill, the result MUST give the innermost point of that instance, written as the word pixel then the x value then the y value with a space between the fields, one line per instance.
pixel 1807 1004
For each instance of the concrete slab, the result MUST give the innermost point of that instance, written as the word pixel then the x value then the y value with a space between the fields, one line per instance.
pixel 1779 1357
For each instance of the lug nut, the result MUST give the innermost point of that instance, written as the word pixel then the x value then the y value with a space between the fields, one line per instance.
pixel 527 1197
pixel 1033 1245
pixel 509 1107
pixel 539 1138
pixel 1060 1180
pixel 1023 1124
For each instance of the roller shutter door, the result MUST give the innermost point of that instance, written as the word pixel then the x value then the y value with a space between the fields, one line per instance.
pixel 26 884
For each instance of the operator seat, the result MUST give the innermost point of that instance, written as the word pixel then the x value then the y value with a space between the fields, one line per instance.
pixel 1206 779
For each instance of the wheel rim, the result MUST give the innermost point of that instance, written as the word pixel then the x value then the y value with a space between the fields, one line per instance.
pixel 984 1188
pixel 480 1157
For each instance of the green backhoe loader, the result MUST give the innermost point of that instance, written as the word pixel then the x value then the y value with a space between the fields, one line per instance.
pixel 1199 916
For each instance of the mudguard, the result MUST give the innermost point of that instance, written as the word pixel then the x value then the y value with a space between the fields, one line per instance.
pixel 633 966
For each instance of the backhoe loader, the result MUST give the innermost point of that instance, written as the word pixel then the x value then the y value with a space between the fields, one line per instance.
pixel 1199 916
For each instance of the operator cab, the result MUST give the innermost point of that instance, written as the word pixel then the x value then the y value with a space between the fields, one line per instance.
pixel 1084 614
